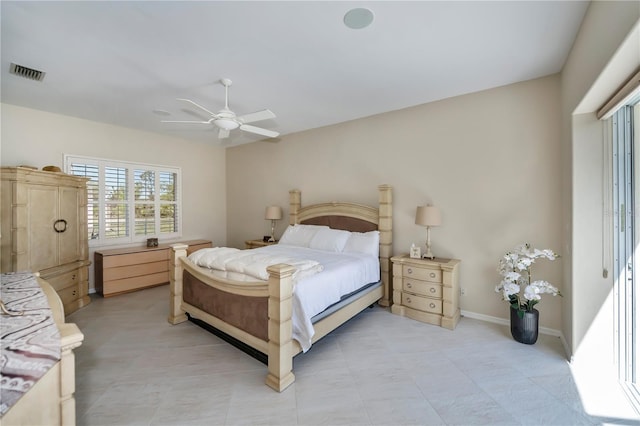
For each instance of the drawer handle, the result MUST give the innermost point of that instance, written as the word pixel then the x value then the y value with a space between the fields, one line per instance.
pixel 56 225
pixel 408 300
pixel 73 277
pixel 409 271
pixel 432 290
pixel 432 305
pixel 408 285
pixel 432 275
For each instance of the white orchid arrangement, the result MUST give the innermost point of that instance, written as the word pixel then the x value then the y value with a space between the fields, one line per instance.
pixel 515 268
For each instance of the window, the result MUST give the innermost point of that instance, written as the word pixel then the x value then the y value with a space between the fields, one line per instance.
pixel 128 202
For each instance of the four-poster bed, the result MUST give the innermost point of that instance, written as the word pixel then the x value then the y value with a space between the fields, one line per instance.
pixel 259 313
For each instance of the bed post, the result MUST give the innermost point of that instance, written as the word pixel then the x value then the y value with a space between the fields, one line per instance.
pixel 70 338
pixel 295 202
pixel 280 350
pixel 385 227
pixel 176 314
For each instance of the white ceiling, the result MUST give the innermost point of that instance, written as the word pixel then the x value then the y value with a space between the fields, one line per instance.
pixel 117 62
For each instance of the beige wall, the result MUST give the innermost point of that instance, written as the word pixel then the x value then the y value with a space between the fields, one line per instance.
pixel 489 160
pixel 39 138
pixel 605 53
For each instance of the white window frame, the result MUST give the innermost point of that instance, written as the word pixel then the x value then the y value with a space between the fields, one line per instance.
pixel 101 163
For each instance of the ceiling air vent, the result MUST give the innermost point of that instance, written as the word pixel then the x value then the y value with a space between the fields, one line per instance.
pixel 25 72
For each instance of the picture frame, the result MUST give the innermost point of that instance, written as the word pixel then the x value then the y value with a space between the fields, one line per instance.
pixel 414 252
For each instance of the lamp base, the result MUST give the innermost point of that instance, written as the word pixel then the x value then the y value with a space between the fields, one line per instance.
pixel 427 254
pixel 273 230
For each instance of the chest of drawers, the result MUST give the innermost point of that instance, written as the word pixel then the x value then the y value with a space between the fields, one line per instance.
pixel 426 290
pixel 128 269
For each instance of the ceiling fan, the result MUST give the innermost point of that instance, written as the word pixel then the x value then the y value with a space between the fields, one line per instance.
pixel 227 120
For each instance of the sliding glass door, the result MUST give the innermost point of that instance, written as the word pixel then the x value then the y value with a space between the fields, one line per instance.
pixel 623 241
pixel 626 240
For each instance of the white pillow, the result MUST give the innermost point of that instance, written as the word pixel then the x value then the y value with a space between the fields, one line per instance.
pixel 367 243
pixel 300 235
pixel 330 240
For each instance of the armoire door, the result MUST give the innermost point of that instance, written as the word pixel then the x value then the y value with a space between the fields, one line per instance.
pixel 42 212
pixel 69 243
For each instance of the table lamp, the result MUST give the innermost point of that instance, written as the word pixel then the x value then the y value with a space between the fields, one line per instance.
pixel 273 213
pixel 428 216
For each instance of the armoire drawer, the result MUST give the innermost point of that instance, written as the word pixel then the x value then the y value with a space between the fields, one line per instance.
pixel 62 281
pixel 68 295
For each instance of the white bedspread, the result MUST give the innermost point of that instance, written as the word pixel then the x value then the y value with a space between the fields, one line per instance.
pixel 314 290
pixel 251 262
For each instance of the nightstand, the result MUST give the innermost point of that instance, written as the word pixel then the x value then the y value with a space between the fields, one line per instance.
pixel 426 290
pixel 250 244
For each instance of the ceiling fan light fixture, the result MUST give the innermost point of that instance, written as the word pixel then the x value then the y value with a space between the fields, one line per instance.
pixel 226 123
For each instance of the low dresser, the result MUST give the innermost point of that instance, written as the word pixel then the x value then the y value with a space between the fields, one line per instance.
pixel 134 268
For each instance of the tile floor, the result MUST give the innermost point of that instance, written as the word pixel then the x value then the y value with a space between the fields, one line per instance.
pixel 134 368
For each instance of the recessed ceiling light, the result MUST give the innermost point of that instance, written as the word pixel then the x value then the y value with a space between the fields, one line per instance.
pixel 358 18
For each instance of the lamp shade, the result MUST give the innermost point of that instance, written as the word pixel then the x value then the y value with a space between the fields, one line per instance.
pixel 273 213
pixel 428 216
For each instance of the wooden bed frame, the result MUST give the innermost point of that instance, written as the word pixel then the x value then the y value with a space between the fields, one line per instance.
pixel 279 347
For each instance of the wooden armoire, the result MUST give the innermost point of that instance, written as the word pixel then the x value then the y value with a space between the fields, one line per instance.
pixel 43 225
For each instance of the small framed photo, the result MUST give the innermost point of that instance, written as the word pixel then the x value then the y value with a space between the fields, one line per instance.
pixel 414 252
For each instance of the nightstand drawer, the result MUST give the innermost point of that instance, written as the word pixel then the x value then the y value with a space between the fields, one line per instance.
pixel 424 274
pixel 422 287
pixel 422 303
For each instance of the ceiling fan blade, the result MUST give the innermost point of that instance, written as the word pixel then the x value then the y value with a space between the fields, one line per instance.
pixel 196 105
pixel 259 131
pixel 265 114
pixel 223 134
pixel 190 122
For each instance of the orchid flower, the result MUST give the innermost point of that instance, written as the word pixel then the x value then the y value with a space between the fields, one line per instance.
pixel 515 269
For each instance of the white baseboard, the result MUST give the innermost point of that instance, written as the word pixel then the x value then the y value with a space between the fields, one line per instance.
pixel 502 321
